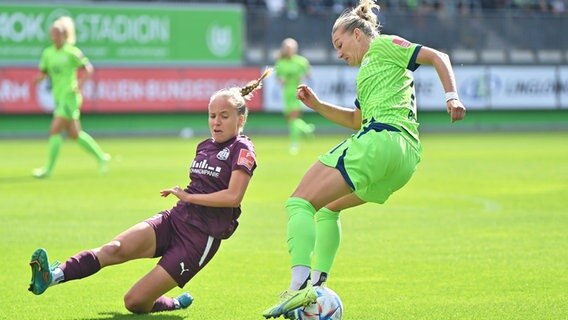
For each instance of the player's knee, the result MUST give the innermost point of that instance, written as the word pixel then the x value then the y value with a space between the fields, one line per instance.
pixel 112 249
pixel 134 304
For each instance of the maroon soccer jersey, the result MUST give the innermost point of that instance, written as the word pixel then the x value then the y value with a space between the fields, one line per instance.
pixel 211 171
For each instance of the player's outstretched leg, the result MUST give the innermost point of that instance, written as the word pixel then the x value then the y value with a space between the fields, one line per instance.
pixel 290 300
pixel 41 272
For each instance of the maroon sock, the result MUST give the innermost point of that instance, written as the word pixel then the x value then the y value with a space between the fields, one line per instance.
pixel 80 266
pixel 163 303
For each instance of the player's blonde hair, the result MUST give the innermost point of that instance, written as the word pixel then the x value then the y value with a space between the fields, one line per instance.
pixel 238 96
pixel 67 26
pixel 288 43
pixel 361 17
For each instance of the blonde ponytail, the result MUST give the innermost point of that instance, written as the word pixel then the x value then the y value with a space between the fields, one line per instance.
pixel 363 17
pixel 251 87
pixel 237 96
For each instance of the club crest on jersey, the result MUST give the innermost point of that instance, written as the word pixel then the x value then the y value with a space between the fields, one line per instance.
pixel 246 158
pixel 365 62
pixel 401 42
pixel 223 154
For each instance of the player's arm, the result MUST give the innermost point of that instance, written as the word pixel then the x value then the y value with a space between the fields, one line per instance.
pixel 87 72
pixel 443 66
pixel 40 76
pixel 42 69
pixel 350 118
pixel 230 197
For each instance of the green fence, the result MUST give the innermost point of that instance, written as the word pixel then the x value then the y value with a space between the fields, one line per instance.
pixel 119 33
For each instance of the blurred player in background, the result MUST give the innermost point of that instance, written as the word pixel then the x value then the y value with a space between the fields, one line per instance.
pixel 187 236
pixel 291 68
pixel 374 162
pixel 60 62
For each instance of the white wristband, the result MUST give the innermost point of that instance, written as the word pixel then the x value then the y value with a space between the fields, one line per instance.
pixel 452 96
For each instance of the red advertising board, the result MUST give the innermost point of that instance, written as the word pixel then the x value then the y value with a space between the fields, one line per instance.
pixel 129 89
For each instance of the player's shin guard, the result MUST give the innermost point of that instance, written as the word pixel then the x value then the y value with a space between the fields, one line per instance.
pixel 303 126
pixel 301 231
pixel 80 266
pixel 328 231
pixel 89 144
pixel 54 145
pixel 295 133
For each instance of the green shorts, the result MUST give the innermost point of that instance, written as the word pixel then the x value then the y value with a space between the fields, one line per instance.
pixel 68 106
pixel 291 103
pixel 376 161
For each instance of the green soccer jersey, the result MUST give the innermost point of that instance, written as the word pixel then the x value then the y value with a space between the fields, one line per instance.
pixel 61 66
pixel 385 85
pixel 291 72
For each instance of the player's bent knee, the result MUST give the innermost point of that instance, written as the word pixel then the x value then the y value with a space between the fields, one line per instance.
pixel 134 304
pixel 113 250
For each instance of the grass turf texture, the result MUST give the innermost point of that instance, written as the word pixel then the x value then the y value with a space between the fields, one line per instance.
pixel 480 232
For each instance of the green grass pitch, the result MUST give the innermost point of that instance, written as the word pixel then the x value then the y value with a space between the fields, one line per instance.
pixel 480 232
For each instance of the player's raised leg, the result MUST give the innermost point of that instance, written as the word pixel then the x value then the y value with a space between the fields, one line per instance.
pixel 88 143
pixel 134 243
pixel 301 207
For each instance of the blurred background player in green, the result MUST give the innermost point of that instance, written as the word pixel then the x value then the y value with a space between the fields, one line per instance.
pixel 291 68
pixel 60 62
pixel 379 159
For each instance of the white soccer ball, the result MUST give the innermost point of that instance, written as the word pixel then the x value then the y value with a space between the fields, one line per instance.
pixel 328 306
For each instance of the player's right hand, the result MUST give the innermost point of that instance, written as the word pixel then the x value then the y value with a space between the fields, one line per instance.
pixel 175 191
pixel 307 96
pixel 456 109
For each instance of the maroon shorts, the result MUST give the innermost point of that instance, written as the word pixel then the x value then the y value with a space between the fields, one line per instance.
pixel 183 247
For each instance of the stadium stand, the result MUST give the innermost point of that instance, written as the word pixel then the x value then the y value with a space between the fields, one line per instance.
pixel 473 31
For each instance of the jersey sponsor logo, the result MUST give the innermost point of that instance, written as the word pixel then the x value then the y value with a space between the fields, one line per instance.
pixel 246 158
pixel 401 42
pixel 223 154
pixel 203 167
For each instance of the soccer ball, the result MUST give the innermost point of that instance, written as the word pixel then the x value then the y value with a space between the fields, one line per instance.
pixel 328 306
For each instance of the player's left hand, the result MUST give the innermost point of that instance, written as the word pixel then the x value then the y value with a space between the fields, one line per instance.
pixel 456 109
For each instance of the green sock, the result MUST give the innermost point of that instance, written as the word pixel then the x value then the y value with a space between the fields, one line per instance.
pixel 295 132
pixel 54 144
pixel 328 237
pixel 89 144
pixel 301 231
pixel 303 126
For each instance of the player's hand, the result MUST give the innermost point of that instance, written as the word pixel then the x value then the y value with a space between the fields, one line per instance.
pixel 307 96
pixel 456 109
pixel 39 79
pixel 176 191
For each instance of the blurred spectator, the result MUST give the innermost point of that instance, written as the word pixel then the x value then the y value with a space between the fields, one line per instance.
pixel 292 8
pixel 558 6
pixel 275 7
